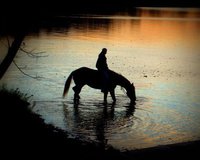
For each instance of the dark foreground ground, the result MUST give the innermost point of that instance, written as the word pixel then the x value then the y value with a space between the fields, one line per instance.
pixel 25 135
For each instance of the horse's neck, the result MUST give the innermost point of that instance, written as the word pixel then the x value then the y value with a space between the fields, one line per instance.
pixel 123 82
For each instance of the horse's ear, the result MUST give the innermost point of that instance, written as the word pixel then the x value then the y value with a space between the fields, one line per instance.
pixel 132 84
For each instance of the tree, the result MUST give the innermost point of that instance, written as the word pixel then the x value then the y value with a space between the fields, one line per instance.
pixel 17 26
pixel 12 51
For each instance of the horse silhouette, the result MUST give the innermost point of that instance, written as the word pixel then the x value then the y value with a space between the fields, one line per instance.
pixel 93 78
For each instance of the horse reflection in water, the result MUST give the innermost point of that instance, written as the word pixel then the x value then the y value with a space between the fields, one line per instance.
pixel 93 78
pixel 97 124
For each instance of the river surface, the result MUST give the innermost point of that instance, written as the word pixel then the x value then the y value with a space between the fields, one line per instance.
pixel 156 49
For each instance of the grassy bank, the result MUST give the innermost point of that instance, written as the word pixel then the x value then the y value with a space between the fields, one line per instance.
pixel 26 135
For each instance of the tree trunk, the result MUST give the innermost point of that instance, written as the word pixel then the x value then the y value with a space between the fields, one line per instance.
pixel 12 51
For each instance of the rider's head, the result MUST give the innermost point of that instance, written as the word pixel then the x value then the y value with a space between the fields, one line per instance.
pixel 104 50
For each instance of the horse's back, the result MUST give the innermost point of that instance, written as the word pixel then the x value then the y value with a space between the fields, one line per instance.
pixel 84 72
pixel 85 69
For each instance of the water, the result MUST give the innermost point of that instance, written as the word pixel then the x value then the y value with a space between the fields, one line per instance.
pixel 157 49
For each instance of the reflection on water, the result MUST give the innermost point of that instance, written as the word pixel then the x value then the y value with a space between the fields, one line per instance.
pixel 94 122
pixel 157 49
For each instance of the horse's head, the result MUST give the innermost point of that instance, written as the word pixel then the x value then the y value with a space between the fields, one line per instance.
pixel 131 93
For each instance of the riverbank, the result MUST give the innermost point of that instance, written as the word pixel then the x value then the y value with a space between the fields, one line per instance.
pixel 183 150
pixel 25 134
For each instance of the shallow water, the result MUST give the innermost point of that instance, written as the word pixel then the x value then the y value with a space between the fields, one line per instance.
pixel 158 50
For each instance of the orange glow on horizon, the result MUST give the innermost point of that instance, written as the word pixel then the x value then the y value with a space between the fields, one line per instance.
pixel 144 31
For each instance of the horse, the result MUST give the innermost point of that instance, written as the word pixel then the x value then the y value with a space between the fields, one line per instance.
pixel 93 78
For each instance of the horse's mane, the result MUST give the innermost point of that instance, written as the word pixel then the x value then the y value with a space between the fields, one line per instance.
pixel 119 75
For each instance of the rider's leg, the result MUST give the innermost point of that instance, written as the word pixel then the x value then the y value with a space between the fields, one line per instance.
pixel 105 81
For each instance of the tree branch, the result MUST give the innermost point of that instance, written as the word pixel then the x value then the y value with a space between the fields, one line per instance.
pixel 8 41
pixel 12 51
pixel 33 54
pixel 36 77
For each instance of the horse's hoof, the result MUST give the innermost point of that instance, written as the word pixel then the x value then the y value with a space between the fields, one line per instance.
pixel 133 103
pixel 76 101
pixel 105 102
pixel 78 97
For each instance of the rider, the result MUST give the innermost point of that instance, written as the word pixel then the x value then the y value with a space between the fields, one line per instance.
pixel 102 67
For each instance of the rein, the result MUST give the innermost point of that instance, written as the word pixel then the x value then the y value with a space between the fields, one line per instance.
pixel 123 90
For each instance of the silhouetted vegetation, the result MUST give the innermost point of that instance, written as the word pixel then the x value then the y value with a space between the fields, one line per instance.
pixel 26 134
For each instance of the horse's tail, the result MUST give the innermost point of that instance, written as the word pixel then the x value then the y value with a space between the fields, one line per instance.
pixel 67 84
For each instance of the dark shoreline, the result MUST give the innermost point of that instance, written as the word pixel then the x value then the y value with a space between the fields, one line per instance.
pixel 25 134
pixel 172 151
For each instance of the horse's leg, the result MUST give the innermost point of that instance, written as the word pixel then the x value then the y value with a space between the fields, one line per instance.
pixel 105 96
pixel 112 93
pixel 77 90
